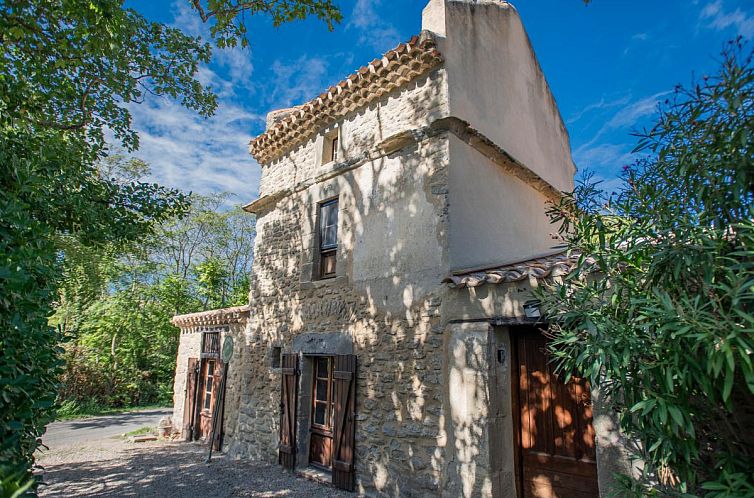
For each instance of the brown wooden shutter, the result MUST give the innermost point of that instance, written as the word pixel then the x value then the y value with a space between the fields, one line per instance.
pixel 218 388
pixel 288 398
pixel 343 470
pixel 189 407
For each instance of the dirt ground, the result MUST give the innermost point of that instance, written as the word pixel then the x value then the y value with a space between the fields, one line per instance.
pixel 114 467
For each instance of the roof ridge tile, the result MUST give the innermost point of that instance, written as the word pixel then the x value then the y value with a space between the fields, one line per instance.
pixel 395 68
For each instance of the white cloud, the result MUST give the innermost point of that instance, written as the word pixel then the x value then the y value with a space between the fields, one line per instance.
pixel 192 153
pixel 598 106
pixel 297 82
pixel 375 31
pixel 627 117
pixel 606 152
pixel 196 154
pixel 605 155
pixel 236 60
pixel 631 114
pixel 716 17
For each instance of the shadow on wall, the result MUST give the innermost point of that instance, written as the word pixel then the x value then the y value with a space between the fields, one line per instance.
pixel 393 244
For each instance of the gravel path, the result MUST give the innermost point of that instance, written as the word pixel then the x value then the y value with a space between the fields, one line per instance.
pixel 117 468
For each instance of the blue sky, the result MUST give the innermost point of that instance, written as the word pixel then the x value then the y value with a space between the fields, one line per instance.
pixel 607 64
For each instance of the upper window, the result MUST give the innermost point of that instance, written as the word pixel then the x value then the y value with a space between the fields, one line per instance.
pixel 334 148
pixel 330 147
pixel 211 344
pixel 328 238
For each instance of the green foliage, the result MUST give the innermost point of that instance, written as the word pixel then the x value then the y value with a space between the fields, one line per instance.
pixel 71 410
pixel 141 431
pixel 48 192
pixel 69 69
pixel 228 16
pixel 660 311
pixel 116 307
pixel 74 65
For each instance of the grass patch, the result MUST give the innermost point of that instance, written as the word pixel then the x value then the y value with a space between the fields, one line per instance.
pixel 71 410
pixel 141 431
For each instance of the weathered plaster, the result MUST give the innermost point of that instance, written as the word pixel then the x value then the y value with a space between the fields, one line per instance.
pixel 496 84
pixel 492 214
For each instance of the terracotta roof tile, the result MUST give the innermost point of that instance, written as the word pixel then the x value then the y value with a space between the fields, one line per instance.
pixel 395 68
pixel 222 316
pixel 553 265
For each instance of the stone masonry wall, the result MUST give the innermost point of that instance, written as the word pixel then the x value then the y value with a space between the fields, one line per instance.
pixel 386 298
pixel 189 346
pixel 417 104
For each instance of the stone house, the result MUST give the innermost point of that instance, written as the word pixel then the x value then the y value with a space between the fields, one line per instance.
pixel 390 344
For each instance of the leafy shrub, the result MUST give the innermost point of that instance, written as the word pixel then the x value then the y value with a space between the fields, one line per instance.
pixel 667 330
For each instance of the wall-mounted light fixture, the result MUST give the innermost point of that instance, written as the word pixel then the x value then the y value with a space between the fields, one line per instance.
pixel 501 355
pixel 531 309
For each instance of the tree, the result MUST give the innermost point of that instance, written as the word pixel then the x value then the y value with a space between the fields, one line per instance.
pixel 660 309
pixel 229 27
pixel 115 305
pixel 69 69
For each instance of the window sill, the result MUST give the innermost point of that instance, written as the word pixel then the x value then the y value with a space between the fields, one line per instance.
pixel 325 282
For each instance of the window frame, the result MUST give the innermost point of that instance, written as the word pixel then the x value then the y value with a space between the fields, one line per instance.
pixel 334 143
pixel 326 428
pixel 209 385
pixel 329 152
pixel 325 250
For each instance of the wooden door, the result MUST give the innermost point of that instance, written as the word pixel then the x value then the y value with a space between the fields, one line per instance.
pixel 207 397
pixel 189 403
pixel 555 433
pixel 321 420
pixel 343 454
pixel 218 404
pixel 288 400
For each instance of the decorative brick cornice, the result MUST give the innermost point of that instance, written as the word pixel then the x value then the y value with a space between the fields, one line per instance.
pixel 397 67
pixel 553 265
pixel 224 316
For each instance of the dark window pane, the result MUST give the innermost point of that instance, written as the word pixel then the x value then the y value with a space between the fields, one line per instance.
pixel 332 214
pixel 328 230
pixel 321 391
pixel 322 364
pixel 208 384
pixel 330 237
pixel 319 413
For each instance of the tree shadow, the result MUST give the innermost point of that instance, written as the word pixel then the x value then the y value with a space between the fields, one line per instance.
pixel 175 469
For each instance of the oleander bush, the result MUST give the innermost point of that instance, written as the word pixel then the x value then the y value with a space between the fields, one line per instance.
pixel 660 310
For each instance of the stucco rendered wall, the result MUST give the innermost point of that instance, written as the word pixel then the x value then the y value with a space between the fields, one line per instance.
pixel 496 84
pixel 495 218
pixel 468 415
